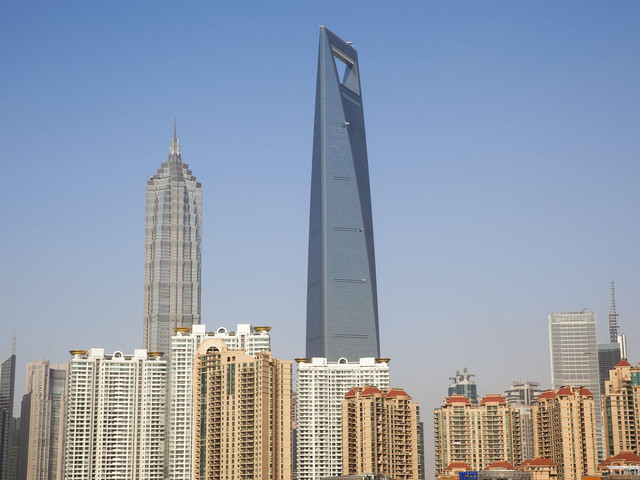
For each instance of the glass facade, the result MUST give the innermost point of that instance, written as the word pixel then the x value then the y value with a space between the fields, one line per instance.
pixel 342 305
pixel 7 384
pixel 574 356
pixel 173 251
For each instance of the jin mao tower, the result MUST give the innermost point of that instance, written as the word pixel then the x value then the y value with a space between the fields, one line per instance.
pixel 173 251
pixel 342 304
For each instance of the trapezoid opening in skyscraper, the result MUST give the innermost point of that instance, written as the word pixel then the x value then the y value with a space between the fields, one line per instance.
pixel 342 303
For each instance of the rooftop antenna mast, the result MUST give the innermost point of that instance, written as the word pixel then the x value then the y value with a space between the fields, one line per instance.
pixel 613 316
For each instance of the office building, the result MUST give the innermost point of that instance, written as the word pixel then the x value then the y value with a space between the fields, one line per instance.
pixel 564 426
pixel 173 251
pixel 609 355
pixel 523 393
pixel 476 434
pixel 380 433
pixel 342 304
pixel 574 357
pixel 180 397
pixel 14 449
pixel 243 409
pixel 462 384
pixel 42 425
pixel 621 409
pixel 322 386
pixel 7 386
pixel 116 416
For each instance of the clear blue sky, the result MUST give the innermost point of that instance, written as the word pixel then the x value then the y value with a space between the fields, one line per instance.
pixel 504 154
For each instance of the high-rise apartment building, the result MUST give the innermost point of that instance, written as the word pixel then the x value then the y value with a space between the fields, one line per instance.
pixel 476 434
pixel 173 251
pixel 462 384
pixel 322 386
pixel 342 304
pixel 116 416
pixel 380 433
pixel 180 426
pixel 42 426
pixel 621 409
pixel 7 386
pixel 564 426
pixel 243 409
pixel 574 356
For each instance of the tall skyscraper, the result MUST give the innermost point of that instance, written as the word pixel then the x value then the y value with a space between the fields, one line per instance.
pixel 322 386
pixel 7 386
pixel 243 409
pixel 184 343
pixel 342 303
pixel 116 416
pixel 574 357
pixel 173 251
pixel 44 411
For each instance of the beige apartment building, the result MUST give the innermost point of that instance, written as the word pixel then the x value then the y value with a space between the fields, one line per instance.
pixel 476 434
pixel 242 412
pixel 564 431
pixel 380 433
pixel 621 409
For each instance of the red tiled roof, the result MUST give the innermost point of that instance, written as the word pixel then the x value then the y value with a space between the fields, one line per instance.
pixel 628 456
pixel 547 394
pixel 526 462
pixel 351 393
pixel 455 465
pixel 585 392
pixel 397 392
pixel 623 363
pixel 370 391
pixel 491 398
pixel 458 399
pixel 500 466
pixel 564 391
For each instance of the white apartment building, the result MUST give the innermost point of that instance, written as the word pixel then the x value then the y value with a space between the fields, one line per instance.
pixel 115 416
pixel 184 344
pixel 321 388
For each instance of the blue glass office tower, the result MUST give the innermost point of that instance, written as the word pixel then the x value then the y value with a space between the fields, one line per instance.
pixel 342 303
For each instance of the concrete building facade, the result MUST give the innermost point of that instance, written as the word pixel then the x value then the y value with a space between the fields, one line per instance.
pixel 621 408
pixel 380 433
pixel 322 386
pixel 43 422
pixel 242 407
pixel 564 423
pixel 476 434
pixel 116 416
pixel 180 386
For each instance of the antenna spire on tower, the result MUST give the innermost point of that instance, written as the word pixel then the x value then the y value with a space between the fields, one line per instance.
pixel 613 316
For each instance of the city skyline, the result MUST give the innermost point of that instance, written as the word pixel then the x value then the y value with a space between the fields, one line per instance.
pixel 533 163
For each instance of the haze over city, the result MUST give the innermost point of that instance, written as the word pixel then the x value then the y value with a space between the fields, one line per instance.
pixel 503 154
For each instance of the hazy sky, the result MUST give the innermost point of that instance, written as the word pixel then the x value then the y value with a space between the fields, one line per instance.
pixel 504 154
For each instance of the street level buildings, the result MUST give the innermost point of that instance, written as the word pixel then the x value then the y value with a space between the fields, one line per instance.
pixel 621 409
pixel 476 434
pixel 172 251
pixel 242 407
pixel 116 416
pixel 184 344
pixel 321 387
pixel 42 423
pixel 380 433
pixel 565 432
pixel 7 386
pixel 342 303
pixel 574 357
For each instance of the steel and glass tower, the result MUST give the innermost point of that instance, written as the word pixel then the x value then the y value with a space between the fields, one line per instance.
pixel 342 304
pixel 173 251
